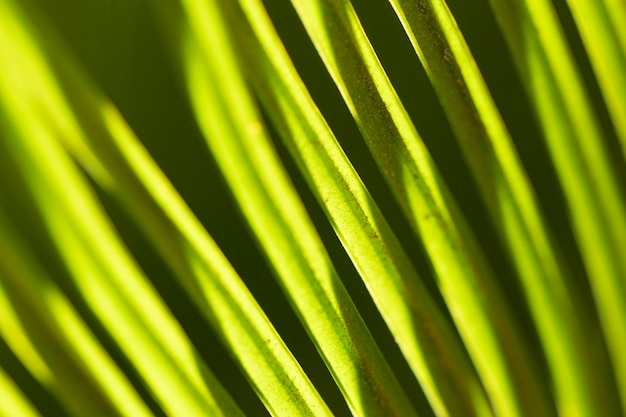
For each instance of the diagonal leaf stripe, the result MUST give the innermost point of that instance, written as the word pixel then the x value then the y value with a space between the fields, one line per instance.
pixel 92 94
pixel 463 273
pixel 419 327
pixel 249 164
pixel 130 174
pixel 66 355
pixel 596 201
pixel 15 402
pixel 144 329
pixel 510 198
pixel 602 26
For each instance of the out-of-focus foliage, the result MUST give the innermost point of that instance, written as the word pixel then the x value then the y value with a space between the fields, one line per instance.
pixel 312 207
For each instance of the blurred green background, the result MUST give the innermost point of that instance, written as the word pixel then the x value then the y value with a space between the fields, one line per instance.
pixel 119 44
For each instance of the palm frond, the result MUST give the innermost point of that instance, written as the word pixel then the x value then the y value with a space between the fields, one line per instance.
pixel 86 319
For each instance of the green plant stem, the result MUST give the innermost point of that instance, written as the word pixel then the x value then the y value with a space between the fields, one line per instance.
pixel 487 327
pixel 576 143
pixel 509 197
pixel 428 342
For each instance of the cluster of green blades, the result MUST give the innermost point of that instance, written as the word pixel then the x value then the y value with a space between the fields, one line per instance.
pixel 68 280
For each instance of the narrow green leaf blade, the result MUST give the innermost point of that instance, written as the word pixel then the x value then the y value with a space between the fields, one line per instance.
pixel 38 319
pixel 595 199
pixel 109 151
pixel 602 26
pixel 467 284
pixel 424 336
pixel 234 132
pixel 14 401
pixel 102 270
pixel 510 198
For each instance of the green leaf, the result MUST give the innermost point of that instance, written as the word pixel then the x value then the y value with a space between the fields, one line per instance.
pixel 14 401
pixel 91 91
pixel 102 270
pixel 602 26
pixel 466 282
pixel 420 329
pixel 53 342
pixel 234 131
pixel 109 151
pixel 509 197
pixel 577 145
